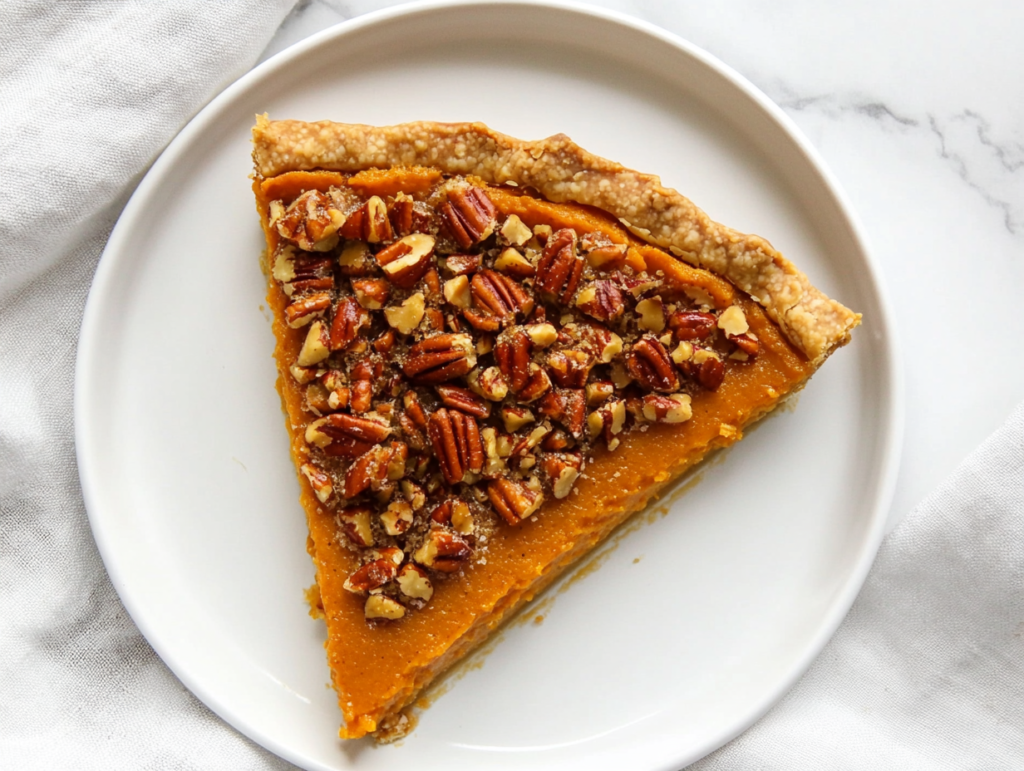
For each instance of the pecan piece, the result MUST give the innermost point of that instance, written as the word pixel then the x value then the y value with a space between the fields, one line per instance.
pixel 570 369
pixel 462 264
pixel 482 321
pixel 382 606
pixel 500 295
pixel 341 426
pixel 414 409
pixel 440 358
pixel 456 441
pixel 469 215
pixel 414 583
pixel 318 480
pixel 375 467
pixel 649 364
pixel 747 343
pixel 691 325
pixel 465 400
pixel 349 319
pixel 513 500
pixel 406 217
pixel 302 311
pixel 369 223
pixel 371 293
pixel 560 267
pixel 317 345
pixel 602 300
pixel 563 469
pixel 512 353
pixel 711 373
pixel 407 260
pixel 566 405
pixel 602 342
pixel 355 521
pixel 674 408
pixel 310 274
pixel 443 551
pixel 311 221
pixel 537 384
pixel 370 576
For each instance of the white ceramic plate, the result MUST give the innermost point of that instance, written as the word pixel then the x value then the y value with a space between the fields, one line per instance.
pixel 693 626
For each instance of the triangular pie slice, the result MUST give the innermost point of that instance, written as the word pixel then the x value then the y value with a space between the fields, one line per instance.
pixel 491 353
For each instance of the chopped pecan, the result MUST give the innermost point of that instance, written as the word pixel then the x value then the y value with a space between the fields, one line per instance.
pixel 302 311
pixel 443 550
pixel 513 263
pixel 355 521
pixel 457 292
pixel 608 422
pixel 652 314
pixel 407 260
pixel 711 373
pixel 537 384
pixel 318 398
pixel 376 466
pixel 465 400
pixel 513 500
pixel 355 259
pixel 599 340
pixel 560 267
pixel 311 221
pixel 691 325
pixel 317 345
pixel 747 343
pixel 515 232
pixel 649 364
pixel 349 319
pixel 599 391
pixel 568 406
pixel 397 518
pixel 371 293
pixel 674 408
pixel 500 295
pixel 370 576
pixel 385 342
pixel 361 396
pixel 512 353
pixel 457 446
pixel 369 223
pixel 562 469
pixel 406 216
pixel 414 583
pixel 602 300
pixel 407 316
pixel 414 409
pixel 318 480
pixel 412 433
pixel 440 358
pixel 462 264
pixel 469 215
pixel 489 383
pixel 382 606
pixel 570 369
pixel 304 273
pixel 435 319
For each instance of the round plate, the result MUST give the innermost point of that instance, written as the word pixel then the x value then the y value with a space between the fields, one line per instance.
pixel 696 621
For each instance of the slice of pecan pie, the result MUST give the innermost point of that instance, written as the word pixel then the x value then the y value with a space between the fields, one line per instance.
pixel 492 352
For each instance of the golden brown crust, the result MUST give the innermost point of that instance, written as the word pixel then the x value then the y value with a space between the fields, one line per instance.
pixel 562 171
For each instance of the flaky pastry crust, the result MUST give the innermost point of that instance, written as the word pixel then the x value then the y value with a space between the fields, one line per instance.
pixel 562 171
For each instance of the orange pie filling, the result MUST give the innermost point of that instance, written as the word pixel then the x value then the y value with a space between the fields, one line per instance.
pixel 480 385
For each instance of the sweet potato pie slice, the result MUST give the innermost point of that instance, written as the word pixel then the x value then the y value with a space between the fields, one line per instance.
pixel 491 352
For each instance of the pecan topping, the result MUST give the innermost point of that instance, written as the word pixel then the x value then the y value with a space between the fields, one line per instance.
pixel 747 343
pixel 560 267
pixel 462 264
pixel 537 384
pixel 649 364
pixel 465 400
pixel 562 469
pixel 500 295
pixel 469 215
pixel 369 223
pixel 674 408
pixel 570 369
pixel 371 293
pixel 482 320
pixel 440 358
pixel 349 319
pixel 355 521
pixel 302 311
pixel 375 467
pixel 514 500
pixel 456 441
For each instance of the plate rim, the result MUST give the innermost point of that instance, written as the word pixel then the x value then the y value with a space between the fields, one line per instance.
pixel 887 467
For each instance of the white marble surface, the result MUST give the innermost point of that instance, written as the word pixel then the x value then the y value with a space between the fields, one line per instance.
pixel 918 108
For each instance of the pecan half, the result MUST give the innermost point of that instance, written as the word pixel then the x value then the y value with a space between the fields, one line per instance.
pixel 456 441
pixel 482 321
pixel 369 223
pixel 351 435
pixel 566 405
pixel 691 325
pixel 500 295
pixel 407 260
pixel 465 400
pixel 512 353
pixel 311 221
pixel 560 267
pixel 302 311
pixel 349 318
pixel 310 274
pixel 602 300
pixel 513 500
pixel 649 364
pixel 443 551
pixel 469 215
pixel 440 358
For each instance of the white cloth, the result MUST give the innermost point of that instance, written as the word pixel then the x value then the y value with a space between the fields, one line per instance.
pixel 927 671
pixel 89 94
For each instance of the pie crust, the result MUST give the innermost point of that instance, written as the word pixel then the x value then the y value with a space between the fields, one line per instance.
pixel 379 666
